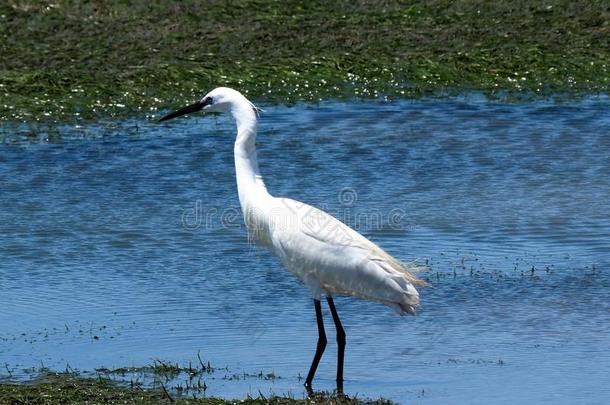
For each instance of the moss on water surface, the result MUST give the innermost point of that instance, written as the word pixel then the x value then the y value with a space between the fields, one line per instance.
pixel 96 58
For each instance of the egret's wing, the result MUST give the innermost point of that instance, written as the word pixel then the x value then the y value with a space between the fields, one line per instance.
pixel 325 228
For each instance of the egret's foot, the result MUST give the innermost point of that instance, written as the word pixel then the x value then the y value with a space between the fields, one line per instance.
pixel 340 389
pixel 311 394
pixel 309 389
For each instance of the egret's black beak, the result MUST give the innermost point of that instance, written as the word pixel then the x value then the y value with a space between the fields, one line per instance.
pixel 198 106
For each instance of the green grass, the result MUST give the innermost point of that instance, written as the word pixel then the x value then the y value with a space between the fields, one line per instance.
pixel 69 388
pixel 161 382
pixel 96 58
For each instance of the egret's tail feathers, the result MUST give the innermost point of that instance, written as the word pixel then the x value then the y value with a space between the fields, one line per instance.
pixel 405 307
pixel 407 270
pixel 404 271
pixel 415 267
pixel 410 268
pixel 408 299
pixel 401 295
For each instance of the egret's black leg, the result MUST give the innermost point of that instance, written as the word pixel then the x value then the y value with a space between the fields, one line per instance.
pixel 319 348
pixel 340 343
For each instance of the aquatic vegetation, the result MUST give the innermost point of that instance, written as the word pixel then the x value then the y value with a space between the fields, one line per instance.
pixel 52 388
pixel 159 382
pixel 73 59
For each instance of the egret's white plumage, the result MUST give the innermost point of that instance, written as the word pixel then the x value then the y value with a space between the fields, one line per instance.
pixel 324 253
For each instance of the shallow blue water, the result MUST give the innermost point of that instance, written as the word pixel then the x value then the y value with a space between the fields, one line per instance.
pixel 122 242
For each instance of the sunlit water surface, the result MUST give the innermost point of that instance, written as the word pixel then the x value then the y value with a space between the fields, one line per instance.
pixel 121 243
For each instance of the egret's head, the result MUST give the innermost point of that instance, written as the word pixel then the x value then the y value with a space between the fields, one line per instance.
pixel 219 100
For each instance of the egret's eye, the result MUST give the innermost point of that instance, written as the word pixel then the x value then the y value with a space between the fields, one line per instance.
pixel 207 101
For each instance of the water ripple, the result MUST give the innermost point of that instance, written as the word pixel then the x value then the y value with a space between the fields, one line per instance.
pixel 508 204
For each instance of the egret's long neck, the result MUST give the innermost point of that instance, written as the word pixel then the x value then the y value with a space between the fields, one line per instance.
pixel 250 185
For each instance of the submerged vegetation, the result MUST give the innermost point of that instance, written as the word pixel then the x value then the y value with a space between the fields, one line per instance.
pixel 64 58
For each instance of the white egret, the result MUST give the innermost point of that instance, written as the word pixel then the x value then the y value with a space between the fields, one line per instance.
pixel 325 254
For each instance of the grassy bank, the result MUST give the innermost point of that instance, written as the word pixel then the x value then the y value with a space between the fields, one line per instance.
pixel 95 58
pixel 69 388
